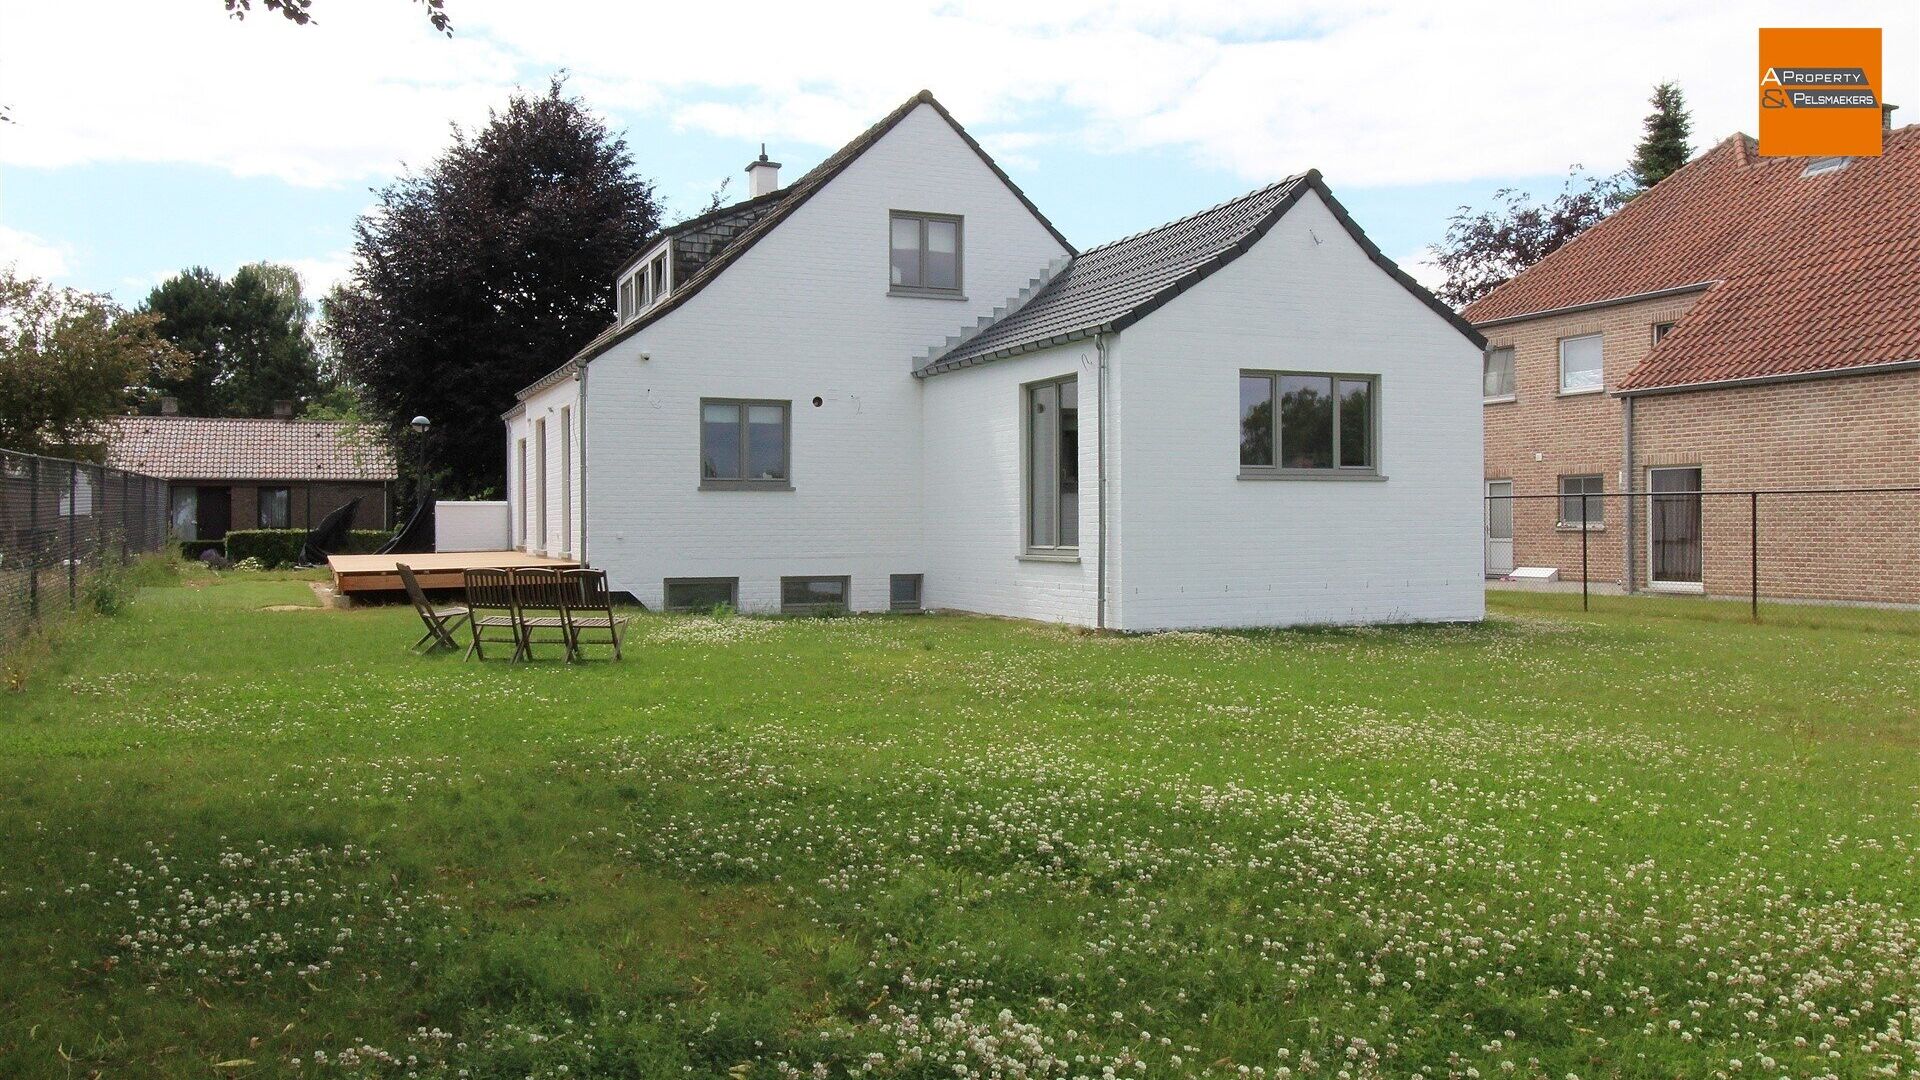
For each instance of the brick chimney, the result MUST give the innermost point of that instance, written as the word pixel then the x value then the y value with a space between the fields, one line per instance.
pixel 1886 116
pixel 762 175
pixel 283 409
pixel 169 406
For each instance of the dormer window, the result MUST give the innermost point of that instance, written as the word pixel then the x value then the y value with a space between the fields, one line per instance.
pixel 646 286
pixel 925 256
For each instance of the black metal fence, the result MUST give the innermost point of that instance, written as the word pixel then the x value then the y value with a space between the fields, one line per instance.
pixel 59 521
pixel 1829 556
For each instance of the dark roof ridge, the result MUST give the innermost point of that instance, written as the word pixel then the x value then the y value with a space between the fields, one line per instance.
pixel 1214 209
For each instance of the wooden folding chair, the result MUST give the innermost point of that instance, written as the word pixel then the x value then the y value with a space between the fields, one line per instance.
pixel 590 609
pixel 441 622
pixel 491 606
pixel 540 595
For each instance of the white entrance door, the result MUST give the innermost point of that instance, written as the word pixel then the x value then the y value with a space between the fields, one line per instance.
pixel 1499 527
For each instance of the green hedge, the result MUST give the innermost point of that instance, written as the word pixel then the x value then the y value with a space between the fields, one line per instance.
pixel 281 547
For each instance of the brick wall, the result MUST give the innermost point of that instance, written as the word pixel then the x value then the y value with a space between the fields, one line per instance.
pixel 308 502
pixel 1862 431
pixel 1542 435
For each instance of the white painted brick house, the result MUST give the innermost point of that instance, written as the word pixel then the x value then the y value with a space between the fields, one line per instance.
pixel 894 384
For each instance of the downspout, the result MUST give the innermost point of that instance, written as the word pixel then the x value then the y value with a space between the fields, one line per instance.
pixel 1100 342
pixel 581 375
pixel 1626 485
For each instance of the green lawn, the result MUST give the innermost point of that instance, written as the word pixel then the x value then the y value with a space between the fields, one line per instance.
pixel 237 841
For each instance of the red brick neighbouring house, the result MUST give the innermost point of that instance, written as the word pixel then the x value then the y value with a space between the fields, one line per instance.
pixel 1748 323
pixel 225 474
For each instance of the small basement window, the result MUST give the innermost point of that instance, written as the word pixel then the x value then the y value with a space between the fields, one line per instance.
pixel 809 595
pixel 702 594
pixel 903 592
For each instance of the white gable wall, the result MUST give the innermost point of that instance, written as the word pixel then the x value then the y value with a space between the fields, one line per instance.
pixel 1200 547
pixel 804 313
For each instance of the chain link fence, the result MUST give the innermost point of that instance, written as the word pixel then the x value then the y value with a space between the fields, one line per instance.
pixel 1843 557
pixel 59 521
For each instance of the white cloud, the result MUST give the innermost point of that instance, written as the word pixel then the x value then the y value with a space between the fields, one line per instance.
pixel 1420 266
pixel 319 276
pixel 1394 92
pixel 33 256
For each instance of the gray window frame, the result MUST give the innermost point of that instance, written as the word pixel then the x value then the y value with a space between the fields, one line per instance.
pixel 1513 375
pixel 958 292
pixel 919 592
pixel 1588 500
pixel 1337 471
pixel 259 505
pixel 667 584
pixel 722 483
pixel 1064 552
pixel 1560 353
pixel 846 594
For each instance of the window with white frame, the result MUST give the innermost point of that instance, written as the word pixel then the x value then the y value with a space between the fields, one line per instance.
pixel 1496 375
pixel 1660 331
pixel 924 257
pixel 1296 423
pixel 1053 466
pixel 1580 364
pixel 647 285
pixel 1580 501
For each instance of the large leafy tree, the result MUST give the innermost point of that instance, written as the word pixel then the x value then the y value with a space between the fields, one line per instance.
pixel 247 339
pixel 1664 146
pixel 1484 248
pixel 69 359
pixel 480 274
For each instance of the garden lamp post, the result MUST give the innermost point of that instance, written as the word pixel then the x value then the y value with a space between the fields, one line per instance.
pixel 420 424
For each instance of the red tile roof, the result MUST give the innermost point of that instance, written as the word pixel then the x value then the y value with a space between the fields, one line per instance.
pixel 1807 273
pixel 208 448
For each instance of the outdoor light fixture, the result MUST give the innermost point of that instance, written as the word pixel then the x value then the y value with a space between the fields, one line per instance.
pixel 420 424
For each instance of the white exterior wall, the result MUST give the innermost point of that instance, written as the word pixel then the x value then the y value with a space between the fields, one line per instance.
pixel 554 405
pixel 472 525
pixel 803 313
pixel 976 492
pixel 1198 546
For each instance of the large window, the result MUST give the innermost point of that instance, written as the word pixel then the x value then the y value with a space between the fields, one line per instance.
pixel 1580 370
pixel 1300 424
pixel 702 594
pixel 803 595
pixel 745 444
pixel 275 508
pixel 1496 375
pixel 1053 466
pixel 185 516
pixel 1580 501
pixel 925 256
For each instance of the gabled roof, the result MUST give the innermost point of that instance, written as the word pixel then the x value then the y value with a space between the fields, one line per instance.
pixel 1111 287
pixel 219 448
pixel 1800 275
pixel 778 206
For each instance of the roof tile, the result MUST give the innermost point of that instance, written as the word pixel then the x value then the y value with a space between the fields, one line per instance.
pixel 218 448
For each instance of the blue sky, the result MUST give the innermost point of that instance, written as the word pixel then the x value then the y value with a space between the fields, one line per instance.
pixel 195 139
